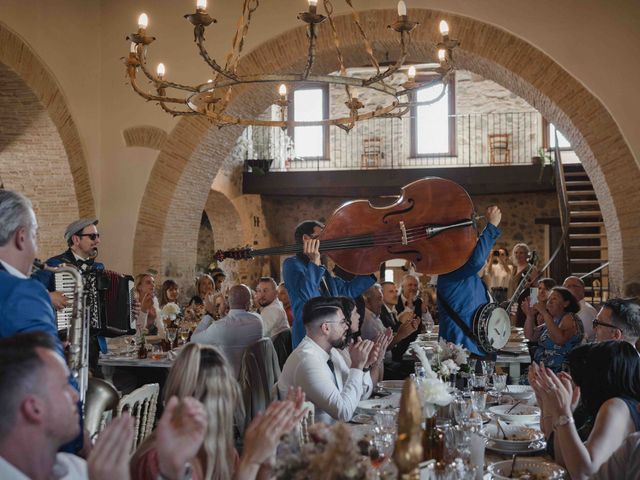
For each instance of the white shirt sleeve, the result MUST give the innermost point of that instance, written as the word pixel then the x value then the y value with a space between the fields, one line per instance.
pixel 318 384
pixel 205 332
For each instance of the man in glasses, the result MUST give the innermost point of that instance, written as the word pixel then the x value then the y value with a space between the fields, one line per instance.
pixel 618 319
pixel 82 238
pixel 316 365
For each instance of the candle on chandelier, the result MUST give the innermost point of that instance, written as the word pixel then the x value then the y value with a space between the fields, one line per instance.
pixel 133 47
pixel 201 5
pixel 412 73
pixel 442 55
pixel 402 9
pixel 143 21
pixel 313 6
pixel 160 70
pixel 283 89
pixel 444 28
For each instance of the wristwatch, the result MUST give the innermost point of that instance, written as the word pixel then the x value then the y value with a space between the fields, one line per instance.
pixel 563 420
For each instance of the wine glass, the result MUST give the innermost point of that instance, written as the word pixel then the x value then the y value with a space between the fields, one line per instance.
pixel 184 334
pixel 172 334
pixel 478 382
pixel 461 409
pixel 427 321
pixel 499 384
pixel 488 367
pixel 478 401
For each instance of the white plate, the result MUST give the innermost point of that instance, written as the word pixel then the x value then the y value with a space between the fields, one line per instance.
pixel 362 419
pixel 530 436
pixel 370 407
pixel 520 392
pixel 519 414
pixel 392 385
pixel 502 470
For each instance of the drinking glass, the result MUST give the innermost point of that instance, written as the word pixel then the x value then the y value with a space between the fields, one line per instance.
pixel 427 321
pixel 499 384
pixel 172 333
pixel 478 382
pixel 478 401
pixel 488 367
pixel 461 409
pixel 184 334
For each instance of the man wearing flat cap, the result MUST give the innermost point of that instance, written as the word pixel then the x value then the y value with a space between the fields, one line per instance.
pixel 83 239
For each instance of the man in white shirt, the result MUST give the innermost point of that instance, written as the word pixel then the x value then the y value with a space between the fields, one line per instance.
pixel 320 370
pixel 234 332
pixel 39 414
pixel 274 318
pixel 587 312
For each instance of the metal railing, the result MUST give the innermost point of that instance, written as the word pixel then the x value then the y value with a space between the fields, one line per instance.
pixel 485 139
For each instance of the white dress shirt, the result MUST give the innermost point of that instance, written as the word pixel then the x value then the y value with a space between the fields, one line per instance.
pixel 587 314
pixel 274 318
pixel 335 398
pixel 67 467
pixel 233 334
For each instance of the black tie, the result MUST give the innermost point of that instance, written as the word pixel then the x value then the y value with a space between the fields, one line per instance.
pixel 333 372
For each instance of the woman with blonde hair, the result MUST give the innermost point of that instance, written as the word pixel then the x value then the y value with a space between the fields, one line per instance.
pixel 200 371
pixel 148 321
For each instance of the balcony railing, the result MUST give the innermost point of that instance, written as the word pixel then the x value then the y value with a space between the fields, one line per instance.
pixel 385 143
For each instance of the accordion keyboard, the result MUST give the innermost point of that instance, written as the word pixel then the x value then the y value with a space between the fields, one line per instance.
pixel 66 284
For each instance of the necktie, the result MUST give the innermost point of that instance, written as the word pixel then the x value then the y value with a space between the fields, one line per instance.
pixel 333 372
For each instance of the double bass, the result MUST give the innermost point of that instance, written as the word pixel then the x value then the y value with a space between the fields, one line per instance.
pixel 432 224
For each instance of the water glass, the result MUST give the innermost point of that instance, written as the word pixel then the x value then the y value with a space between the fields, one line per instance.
pixel 385 420
pixel 499 384
pixel 478 401
pixel 461 410
pixel 488 367
pixel 172 334
pixel 478 382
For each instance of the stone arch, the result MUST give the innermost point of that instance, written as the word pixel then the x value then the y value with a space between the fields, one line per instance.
pixel 18 56
pixel 194 153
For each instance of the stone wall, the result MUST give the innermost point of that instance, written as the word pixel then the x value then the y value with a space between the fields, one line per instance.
pixel 33 161
pixel 519 212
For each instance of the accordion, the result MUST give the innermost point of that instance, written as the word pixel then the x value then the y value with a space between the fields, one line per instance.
pixel 108 301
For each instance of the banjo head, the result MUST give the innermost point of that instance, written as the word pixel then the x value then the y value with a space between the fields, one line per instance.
pixel 492 327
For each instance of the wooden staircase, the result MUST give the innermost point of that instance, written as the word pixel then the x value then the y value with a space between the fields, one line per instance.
pixel 587 240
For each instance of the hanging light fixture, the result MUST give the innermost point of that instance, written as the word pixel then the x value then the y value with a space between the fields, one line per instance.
pixel 211 98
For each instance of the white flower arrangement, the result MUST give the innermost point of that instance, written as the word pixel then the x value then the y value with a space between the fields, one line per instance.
pixel 170 310
pixel 452 358
pixel 434 392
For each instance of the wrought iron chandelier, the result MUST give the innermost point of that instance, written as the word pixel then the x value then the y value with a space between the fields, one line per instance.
pixel 211 98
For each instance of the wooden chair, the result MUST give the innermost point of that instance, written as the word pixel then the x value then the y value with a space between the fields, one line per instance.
pixel 141 404
pixel 306 422
pixel 372 152
pixel 500 148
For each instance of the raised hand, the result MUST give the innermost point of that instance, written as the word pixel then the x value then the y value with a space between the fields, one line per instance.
pixel 494 215
pixel 109 457
pixel 311 248
pixel 359 353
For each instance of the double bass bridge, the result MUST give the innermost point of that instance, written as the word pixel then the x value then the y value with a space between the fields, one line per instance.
pixel 403 230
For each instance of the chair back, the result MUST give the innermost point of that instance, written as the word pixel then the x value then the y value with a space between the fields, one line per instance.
pixel 282 344
pixel 306 422
pixel 141 405
pixel 258 374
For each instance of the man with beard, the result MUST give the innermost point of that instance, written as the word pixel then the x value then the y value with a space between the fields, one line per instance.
pixel 306 277
pixel 319 369
pixel 274 318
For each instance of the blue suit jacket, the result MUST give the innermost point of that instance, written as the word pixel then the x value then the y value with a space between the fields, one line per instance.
pixel 464 291
pixel 25 306
pixel 303 283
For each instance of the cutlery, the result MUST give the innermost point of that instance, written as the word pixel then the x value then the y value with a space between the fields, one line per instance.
pixel 514 406
pixel 504 434
pixel 513 465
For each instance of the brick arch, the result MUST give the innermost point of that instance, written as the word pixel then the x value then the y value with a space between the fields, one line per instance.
pixel 183 173
pixel 16 54
pixel 145 136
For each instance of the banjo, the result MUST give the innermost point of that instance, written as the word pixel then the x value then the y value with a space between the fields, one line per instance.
pixel 491 326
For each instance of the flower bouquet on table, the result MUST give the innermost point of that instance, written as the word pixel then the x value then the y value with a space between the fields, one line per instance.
pixel 170 313
pixel 331 453
pixel 451 359
pixel 433 391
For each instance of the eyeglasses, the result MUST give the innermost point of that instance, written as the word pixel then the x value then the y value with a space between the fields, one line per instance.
pixel 597 323
pixel 92 236
pixel 341 322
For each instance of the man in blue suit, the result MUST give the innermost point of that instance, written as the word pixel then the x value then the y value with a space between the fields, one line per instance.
pixel 305 277
pixel 25 305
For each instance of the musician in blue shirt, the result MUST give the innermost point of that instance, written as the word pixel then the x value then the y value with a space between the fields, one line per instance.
pixel 463 289
pixel 305 277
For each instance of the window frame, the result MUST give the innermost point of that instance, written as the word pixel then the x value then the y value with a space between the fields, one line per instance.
pixel 546 138
pixel 453 138
pixel 325 113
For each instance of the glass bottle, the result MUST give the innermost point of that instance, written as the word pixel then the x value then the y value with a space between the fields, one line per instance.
pixel 433 441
